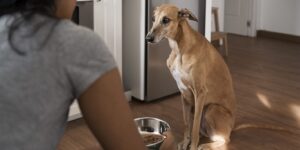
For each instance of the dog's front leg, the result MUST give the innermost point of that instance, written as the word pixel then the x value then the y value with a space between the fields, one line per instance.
pixel 199 104
pixel 187 118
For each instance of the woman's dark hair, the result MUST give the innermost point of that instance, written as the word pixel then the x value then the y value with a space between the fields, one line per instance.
pixel 27 9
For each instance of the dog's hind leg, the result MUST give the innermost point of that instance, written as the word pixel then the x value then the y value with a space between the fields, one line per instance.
pixel 217 124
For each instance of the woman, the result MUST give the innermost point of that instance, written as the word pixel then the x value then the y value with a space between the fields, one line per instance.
pixel 46 62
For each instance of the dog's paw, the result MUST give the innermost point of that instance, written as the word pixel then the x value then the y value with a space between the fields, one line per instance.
pixel 201 148
pixel 204 147
pixel 184 145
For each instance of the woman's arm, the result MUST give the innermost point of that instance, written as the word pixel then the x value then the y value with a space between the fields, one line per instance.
pixel 107 113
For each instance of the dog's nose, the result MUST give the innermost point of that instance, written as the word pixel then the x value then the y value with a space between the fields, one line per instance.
pixel 150 38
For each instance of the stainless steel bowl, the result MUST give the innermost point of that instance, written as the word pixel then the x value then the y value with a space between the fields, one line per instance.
pixel 150 125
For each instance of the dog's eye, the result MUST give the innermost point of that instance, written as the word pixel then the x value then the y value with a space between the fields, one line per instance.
pixel 165 20
pixel 153 18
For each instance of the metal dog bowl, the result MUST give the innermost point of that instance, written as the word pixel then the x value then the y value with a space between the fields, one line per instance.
pixel 152 126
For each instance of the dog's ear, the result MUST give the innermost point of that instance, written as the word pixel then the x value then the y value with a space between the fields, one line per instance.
pixel 185 13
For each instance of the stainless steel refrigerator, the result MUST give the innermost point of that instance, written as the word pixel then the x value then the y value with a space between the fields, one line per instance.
pixel 145 72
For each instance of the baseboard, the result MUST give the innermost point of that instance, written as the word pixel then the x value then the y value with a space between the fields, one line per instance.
pixel 279 36
pixel 75 112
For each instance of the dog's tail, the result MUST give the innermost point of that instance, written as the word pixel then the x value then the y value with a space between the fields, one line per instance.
pixel 264 126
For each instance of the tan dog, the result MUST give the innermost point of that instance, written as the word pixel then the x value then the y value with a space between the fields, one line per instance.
pixel 202 77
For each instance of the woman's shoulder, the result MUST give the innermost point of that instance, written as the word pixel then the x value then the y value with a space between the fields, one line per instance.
pixel 73 36
pixel 70 30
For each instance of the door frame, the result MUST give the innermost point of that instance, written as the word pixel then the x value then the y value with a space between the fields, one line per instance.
pixel 208 19
pixel 256 16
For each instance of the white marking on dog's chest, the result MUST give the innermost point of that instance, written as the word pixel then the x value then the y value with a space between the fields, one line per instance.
pixel 173 44
pixel 177 73
pixel 178 76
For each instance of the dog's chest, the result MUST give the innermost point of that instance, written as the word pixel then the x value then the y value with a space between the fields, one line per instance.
pixel 175 66
pixel 179 75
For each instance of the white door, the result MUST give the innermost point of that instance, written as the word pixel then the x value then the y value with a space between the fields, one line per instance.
pixel 108 24
pixel 238 17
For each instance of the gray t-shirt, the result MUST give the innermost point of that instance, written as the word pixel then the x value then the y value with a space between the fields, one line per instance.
pixel 36 89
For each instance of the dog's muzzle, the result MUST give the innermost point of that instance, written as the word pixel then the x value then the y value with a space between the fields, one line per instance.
pixel 150 38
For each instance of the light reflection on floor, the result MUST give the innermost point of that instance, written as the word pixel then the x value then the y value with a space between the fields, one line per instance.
pixel 263 99
pixel 296 111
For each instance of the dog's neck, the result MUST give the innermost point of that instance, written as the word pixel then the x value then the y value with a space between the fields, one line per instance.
pixel 184 38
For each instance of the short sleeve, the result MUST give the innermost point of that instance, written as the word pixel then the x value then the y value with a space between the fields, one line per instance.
pixel 85 59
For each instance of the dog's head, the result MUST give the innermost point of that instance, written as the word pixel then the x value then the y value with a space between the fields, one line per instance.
pixel 166 20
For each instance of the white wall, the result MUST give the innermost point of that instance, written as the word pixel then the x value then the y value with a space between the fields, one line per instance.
pixel 298 18
pixel 220 5
pixel 281 16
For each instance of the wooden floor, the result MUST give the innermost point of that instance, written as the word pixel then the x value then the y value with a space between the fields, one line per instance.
pixel 266 75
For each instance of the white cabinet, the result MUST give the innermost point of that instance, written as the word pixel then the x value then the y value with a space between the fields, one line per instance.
pixel 108 24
